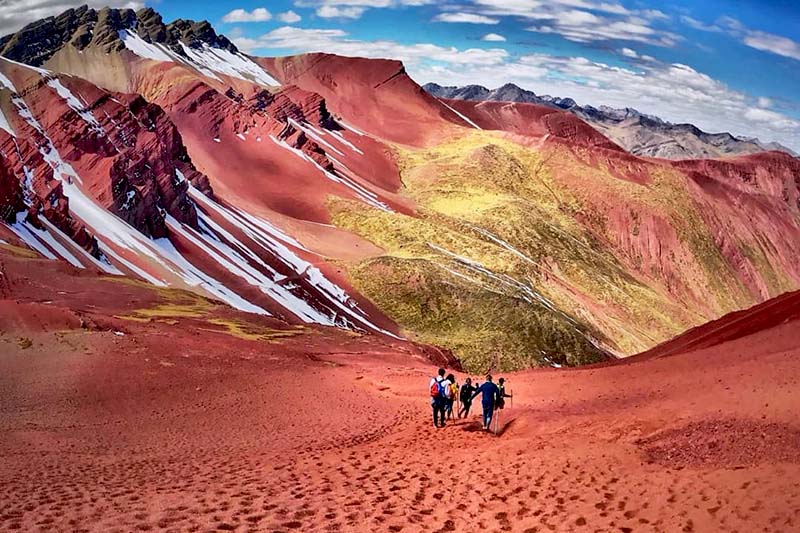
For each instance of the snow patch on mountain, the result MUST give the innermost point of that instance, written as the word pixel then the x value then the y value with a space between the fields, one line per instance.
pixel 460 115
pixel 5 125
pixel 75 104
pixel 102 265
pixel 22 230
pixel 6 83
pixel 361 192
pixel 235 65
pixel 142 48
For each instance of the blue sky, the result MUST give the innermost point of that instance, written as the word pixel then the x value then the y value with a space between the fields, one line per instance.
pixel 724 65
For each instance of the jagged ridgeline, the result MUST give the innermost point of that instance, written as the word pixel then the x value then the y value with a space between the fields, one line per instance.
pixel 638 133
pixel 328 190
pixel 84 27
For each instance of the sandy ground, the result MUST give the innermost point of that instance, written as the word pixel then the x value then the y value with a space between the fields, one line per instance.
pixel 173 427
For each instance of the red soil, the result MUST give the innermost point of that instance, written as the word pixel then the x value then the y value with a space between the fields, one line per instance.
pixel 175 425
pixel 784 309
pixel 374 95
pixel 533 120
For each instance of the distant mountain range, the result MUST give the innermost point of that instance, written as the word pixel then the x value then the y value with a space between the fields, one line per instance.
pixel 638 133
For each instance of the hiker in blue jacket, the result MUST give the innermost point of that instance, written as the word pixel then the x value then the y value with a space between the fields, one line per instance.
pixel 490 397
pixel 439 388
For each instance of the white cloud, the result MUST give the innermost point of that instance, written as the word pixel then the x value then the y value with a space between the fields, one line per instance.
pixel 764 102
pixel 633 54
pixel 353 9
pixel 765 115
pixel 346 12
pixel 337 41
pixel 14 14
pixel 582 21
pixel 259 14
pixel 760 40
pixel 776 44
pixel 468 18
pixel 698 25
pixel 493 37
pixel 289 17
pixel 585 27
pixel 731 24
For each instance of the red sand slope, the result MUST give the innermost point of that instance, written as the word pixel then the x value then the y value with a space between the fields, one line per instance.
pixel 178 426
pixel 376 96
pixel 532 120
pixel 781 311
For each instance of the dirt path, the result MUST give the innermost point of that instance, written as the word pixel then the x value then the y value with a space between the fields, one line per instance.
pixel 104 435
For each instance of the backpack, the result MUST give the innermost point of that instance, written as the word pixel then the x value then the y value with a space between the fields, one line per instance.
pixel 446 392
pixel 437 390
pixel 453 391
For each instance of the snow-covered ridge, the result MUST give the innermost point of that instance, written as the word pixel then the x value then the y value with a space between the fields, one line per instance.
pixel 5 83
pixel 42 71
pixel 207 60
pixel 115 237
pixel 360 191
pixel 142 48
pixel 235 65
pixel 4 125
pixel 460 115
pixel 250 250
pixel 76 105
pixel 337 309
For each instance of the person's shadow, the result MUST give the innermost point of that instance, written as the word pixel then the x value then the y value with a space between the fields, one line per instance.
pixel 475 426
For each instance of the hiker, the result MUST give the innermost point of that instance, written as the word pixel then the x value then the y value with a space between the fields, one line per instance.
pixel 467 390
pixel 452 395
pixel 438 397
pixel 501 387
pixel 489 396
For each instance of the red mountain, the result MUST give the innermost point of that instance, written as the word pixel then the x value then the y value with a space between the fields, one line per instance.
pixel 181 224
pixel 331 190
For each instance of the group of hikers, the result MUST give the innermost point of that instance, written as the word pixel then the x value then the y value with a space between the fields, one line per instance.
pixel 446 390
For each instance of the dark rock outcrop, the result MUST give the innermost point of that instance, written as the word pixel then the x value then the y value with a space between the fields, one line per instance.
pixel 83 27
pixel 11 200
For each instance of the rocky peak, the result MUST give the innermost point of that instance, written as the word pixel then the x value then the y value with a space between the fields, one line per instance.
pixel 513 93
pixel 195 34
pixel 149 26
pixel 564 103
pixel 468 92
pixel 38 41
pixel 85 27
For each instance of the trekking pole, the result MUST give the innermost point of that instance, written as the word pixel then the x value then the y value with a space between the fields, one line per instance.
pixel 512 398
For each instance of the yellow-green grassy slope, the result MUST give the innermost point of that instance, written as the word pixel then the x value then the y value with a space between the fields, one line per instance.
pixel 512 261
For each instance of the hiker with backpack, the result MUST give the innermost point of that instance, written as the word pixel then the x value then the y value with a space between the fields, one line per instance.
pixel 501 387
pixel 489 397
pixel 467 390
pixel 439 388
pixel 452 395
